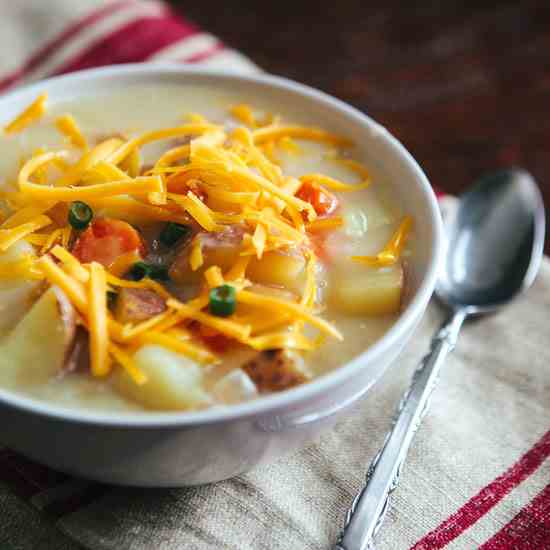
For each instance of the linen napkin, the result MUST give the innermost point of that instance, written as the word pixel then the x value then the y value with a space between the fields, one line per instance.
pixel 477 474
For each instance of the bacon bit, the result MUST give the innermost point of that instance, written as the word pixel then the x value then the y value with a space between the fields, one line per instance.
pixel 107 239
pixel 134 305
pixel 59 213
pixel 323 202
pixel 276 370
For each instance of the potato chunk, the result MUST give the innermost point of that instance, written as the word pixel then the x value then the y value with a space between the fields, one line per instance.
pixel 137 304
pixel 286 269
pixel 36 349
pixel 235 387
pixel 174 382
pixel 276 370
pixel 366 290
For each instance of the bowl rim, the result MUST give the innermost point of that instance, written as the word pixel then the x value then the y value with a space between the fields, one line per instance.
pixel 294 396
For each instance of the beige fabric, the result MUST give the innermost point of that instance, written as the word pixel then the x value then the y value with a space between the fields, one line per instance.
pixel 492 405
pixel 28 25
pixel 22 527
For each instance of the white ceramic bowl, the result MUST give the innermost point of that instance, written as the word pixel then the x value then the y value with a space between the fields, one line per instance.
pixel 174 449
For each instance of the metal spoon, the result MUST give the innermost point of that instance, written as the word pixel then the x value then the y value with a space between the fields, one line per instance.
pixel 495 246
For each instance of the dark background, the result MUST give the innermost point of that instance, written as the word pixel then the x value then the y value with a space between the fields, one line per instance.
pixel 464 85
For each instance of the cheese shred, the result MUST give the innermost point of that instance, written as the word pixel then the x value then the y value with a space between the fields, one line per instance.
pixel 392 251
pixel 67 125
pixel 125 361
pixel 99 337
pixel 8 237
pixel 32 113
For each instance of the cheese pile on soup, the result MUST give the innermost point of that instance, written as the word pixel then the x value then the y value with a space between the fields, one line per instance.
pixel 163 249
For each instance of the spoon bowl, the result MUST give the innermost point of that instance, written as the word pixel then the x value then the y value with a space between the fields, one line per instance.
pixel 495 243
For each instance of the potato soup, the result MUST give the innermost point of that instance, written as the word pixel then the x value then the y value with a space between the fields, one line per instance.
pixel 171 248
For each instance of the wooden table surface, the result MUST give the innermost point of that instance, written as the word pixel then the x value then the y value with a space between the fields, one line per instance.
pixel 464 85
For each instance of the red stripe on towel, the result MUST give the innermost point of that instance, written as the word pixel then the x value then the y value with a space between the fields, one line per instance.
pixel 529 530
pixel 201 56
pixel 72 30
pixel 488 497
pixel 132 43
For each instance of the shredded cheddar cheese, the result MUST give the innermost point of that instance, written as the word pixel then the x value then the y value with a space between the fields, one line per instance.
pixel 54 236
pixel 124 359
pixel 38 239
pixel 131 331
pixel 169 322
pixel 33 112
pixel 296 310
pixel 99 338
pixel 88 161
pixel 243 113
pixel 26 214
pixel 238 271
pixel 277 132
pixel 71 264
pixel 324 224
pixel 392 251
pixel 8 237
pixel 73 288
pixel 200 212
pixel 137 186
pixel 333 184
pixel 261 323
pixel 259 239
pixel 23 268
pixel 178 132
pixel 213 276
pixel 195 258
pixel 173 342
pixel 133 163
pixel 128 208
pixel 225 326
pixel 289 145
pixel 67 125
pixel 66 234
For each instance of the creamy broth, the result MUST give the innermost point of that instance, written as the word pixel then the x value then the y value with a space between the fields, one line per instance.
pixel 370 218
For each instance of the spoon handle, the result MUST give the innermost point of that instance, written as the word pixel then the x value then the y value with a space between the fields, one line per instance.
pixel 369 507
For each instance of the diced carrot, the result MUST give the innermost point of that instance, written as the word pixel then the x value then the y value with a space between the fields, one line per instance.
pixel 324 202
pixel 107 239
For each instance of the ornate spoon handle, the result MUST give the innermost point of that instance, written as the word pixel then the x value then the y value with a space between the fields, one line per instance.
pixel 369 507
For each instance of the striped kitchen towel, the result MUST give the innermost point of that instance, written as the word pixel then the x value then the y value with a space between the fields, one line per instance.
pixel 478 473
